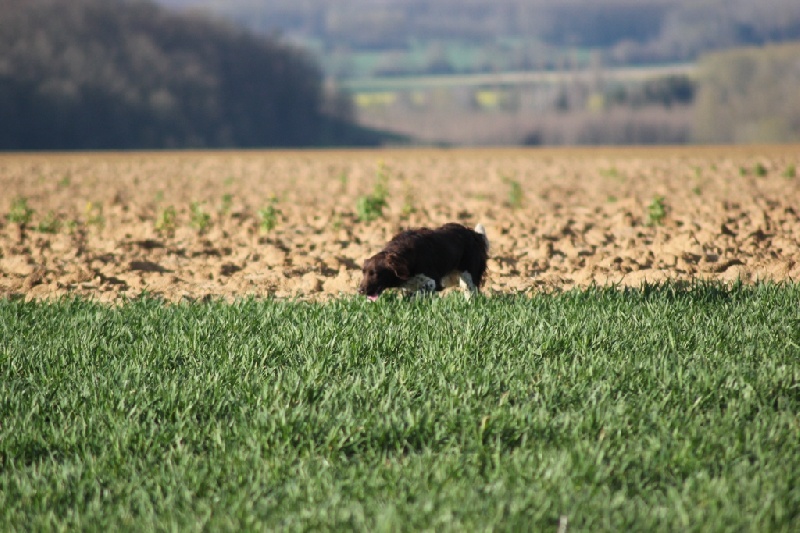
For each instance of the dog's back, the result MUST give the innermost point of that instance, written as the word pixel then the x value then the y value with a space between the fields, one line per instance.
pixel 452 247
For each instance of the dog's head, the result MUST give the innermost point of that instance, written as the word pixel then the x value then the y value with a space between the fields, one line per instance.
pixel 381 272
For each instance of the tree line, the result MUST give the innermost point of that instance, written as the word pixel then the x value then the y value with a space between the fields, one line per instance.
pixel 99 74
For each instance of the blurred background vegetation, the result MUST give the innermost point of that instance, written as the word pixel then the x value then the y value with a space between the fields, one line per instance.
pixel 96 74
pixel 206 73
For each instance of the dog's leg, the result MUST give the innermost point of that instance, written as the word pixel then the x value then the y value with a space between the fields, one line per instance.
pixel 467 285
pixel 419 284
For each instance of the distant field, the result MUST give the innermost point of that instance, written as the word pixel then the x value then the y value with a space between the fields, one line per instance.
pixel 657 409
pixel 505 108
pixel 508 79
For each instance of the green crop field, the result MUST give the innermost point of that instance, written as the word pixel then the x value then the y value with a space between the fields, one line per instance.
pixel 511 79
pixel 662 408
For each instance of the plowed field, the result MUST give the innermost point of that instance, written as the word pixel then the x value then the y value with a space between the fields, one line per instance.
pixel 193 225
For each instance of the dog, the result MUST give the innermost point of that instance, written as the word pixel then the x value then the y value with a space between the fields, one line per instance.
pixel 427 260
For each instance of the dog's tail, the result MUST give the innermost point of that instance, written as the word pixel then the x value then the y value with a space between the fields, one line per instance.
pixel 480 230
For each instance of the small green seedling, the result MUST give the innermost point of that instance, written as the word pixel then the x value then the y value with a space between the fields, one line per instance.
pixel 656 211
pixel 268 216
pixel 790 171
pixel 760 170
pixel 343 180
pixel 72 226
pixel 515 194
pixel 94 215
pixel 20 213
pixel 408 202
pixel 49 224
pixel 371 206
pixel 200 220
pixel 226 203
pixel 611 172
pixel 165 223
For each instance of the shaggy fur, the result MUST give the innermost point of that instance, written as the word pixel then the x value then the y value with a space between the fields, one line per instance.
pixel 427 260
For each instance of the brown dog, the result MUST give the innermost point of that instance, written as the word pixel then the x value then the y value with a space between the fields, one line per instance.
pixel 427 260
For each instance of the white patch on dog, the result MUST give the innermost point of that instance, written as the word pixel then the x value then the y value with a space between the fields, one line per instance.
pixel 467 285
pixel 419 283
pixel 460 279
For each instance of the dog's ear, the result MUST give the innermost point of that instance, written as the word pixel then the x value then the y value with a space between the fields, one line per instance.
pixel 368 264
pixel 398 266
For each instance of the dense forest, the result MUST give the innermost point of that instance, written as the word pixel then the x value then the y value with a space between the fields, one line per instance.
pixel 97 74
pixel 625 31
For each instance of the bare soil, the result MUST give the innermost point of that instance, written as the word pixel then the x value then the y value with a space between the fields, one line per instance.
pixel 556 219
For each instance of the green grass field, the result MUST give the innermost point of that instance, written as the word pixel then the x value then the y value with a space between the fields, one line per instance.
pixel 656 409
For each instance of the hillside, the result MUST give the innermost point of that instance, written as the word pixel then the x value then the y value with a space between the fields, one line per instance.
pixel 95 74
pixel 509 34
